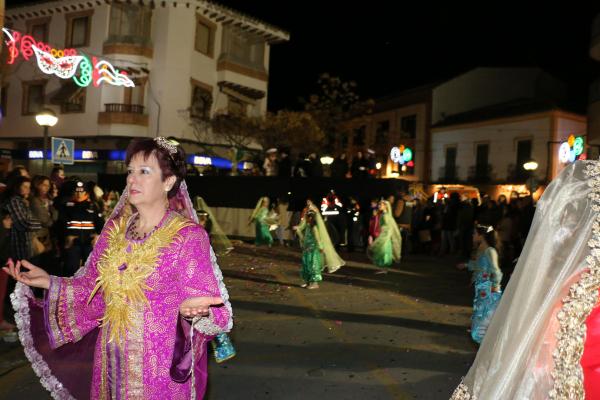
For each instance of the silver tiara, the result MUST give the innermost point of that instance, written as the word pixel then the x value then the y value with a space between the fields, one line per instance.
pixel 167 144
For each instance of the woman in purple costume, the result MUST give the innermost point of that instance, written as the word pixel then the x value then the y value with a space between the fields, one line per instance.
pixel 135 320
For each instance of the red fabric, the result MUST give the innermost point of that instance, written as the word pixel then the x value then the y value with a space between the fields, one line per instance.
pixel 590 361
pixel 374 226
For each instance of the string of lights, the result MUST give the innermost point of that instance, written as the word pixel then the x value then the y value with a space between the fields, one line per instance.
pixel 83 68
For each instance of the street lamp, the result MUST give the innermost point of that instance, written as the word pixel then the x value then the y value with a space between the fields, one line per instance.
pixel 46 118
pixel 530 166
pixel 326 160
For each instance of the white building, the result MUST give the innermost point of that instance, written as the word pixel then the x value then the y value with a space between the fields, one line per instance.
pixel 488 122
pixel 493 150
pixel 185 57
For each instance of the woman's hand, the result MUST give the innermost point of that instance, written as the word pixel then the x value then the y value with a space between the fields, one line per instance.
pixel 35 276
pixel 198 306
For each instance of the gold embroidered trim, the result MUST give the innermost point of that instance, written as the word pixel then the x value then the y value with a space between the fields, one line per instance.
pixel 462 393
pixel 54 291
pixel 135 357
pixel 123 288
pixel 74 330
pixel 103 384
pixel 577 306
pixel 113 369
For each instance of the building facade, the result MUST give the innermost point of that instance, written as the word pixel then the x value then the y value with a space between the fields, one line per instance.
pixel 188 60
pixel 494 150
pixel 398 127
pixel 488 122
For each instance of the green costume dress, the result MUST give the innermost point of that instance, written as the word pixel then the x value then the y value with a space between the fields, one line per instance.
pixel 386 249
pixel 331 259
pixel 262 223
pixel 218 239
pixel 312 259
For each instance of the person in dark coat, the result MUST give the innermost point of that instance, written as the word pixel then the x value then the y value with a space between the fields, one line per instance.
pixel 339 167
pixel 303 168
pixel 285 165
pixel 465 225
pixel 316 166
pixel 449 224
pixel 24 224
pixel 79 224
pixel 360 166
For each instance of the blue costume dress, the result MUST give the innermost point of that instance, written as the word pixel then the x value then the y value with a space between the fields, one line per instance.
pixel 486 276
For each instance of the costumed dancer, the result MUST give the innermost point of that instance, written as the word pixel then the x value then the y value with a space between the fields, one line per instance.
pixel 544 339
pixel 134 321
pixel 386 248
pixel 218 239
pixel 223 349
pixel 262 223
pixel 331 260
pixel 312 251
pixel 486 280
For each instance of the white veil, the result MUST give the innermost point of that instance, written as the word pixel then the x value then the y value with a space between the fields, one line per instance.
pixel 533 347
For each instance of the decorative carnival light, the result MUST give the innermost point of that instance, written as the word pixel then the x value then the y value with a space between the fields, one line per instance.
pixel 64 63
pixel 571 150
pixel 63 67
pixel 402 155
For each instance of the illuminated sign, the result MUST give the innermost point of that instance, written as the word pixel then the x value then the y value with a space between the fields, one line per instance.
pixel 571 150
pixel 201 160
pixel 64 63
pixel 36 154
pixel 402 155
pixel 88 155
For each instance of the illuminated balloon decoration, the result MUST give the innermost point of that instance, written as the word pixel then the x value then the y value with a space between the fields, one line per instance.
pixel 571 150
pixel 402 155
pixel 64 63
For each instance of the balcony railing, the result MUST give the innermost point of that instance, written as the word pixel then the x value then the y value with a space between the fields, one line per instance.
pixel 481 173
pixel 124 108
pixel 448 174
pixel 115 113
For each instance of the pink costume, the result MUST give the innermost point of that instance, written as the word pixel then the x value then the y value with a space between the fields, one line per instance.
pixel 142 346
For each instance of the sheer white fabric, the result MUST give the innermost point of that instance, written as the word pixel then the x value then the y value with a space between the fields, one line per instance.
pixel 517 359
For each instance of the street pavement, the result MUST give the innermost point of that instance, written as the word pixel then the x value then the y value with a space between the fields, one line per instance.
pixel 402 335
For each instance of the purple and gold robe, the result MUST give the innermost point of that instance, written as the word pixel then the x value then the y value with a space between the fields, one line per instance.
pixel 125 304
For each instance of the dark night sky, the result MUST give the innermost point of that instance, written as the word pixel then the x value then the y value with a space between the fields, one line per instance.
pixel 388 46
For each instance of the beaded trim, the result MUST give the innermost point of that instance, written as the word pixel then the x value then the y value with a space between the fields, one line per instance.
pixel 462 393
pixel 169 145
pixel 577 306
